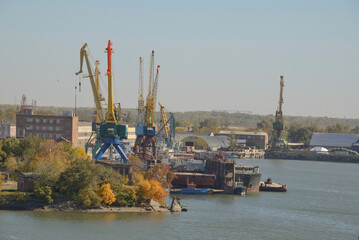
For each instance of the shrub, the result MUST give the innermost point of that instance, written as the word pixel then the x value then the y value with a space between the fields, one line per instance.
pixel 87 198
pixel 43 193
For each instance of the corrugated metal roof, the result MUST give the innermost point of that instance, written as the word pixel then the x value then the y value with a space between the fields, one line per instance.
pixel 333 139
pixel 212 141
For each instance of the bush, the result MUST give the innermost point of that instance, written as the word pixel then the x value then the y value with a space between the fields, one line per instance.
pixel 44 193
pixel 125 197
pixel 88 198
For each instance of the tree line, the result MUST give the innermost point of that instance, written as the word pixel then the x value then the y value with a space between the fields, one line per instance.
pixel 63 172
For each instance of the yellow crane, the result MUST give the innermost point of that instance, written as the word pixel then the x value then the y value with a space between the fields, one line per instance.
pixel 141 101
pixel 94 83
pixel 164 119
pixel 149 99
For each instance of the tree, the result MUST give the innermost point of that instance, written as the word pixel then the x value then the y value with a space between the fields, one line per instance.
pixel 30 146
pixel 337 128
pixel 265 125
pixel 150 189
pixel 182 123
pixel 106 194
pixel 11 146
pixel 136 164
pixel 162 173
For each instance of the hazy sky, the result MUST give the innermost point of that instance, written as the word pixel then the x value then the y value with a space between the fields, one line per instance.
pixel 214 55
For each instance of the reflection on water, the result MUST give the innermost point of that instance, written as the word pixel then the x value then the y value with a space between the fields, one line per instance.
pixel 95 217
pixel 321 203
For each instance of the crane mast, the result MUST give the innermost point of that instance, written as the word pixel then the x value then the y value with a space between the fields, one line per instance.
pixel 110 118
pixel 141 101
pixel 94 83
pixel 281 94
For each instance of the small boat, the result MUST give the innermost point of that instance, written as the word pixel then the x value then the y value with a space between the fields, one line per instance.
pixel 191 189
pixel 270 186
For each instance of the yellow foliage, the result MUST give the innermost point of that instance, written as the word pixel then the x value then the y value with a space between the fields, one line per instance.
pixel 106 194
pixel 81 153
pixel 150 189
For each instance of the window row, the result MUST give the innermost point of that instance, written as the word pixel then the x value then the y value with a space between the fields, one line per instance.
pixel 44 120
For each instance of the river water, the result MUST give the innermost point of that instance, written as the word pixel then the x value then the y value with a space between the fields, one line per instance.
pixel 322 202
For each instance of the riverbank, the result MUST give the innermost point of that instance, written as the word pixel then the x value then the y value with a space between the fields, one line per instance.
pixel 311 156
pixel 33 204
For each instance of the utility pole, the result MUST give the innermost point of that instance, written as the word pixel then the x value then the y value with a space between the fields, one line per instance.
pixel 75 99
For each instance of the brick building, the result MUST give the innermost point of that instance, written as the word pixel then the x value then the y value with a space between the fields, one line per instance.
pixel 44 126
pixel 7 130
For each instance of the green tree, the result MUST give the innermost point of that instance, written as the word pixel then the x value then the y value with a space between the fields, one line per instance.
pixel 265 125
pixel 337 128
pixel 11 146
pixel 182 123
pixel 30 146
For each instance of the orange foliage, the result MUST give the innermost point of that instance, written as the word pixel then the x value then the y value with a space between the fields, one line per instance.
pixel 106 194
pixel 150 189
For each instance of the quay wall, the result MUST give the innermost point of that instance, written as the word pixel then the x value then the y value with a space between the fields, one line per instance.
pixel 311 156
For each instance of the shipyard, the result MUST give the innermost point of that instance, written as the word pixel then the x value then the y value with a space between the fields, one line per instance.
pixel 179 120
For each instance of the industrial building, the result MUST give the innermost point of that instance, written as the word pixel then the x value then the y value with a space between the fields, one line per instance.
pixel 44 126
pixel 333 140
pixel 251 139
pixel 7 130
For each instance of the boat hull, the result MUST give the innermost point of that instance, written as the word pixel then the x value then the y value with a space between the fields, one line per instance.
pixel 201 180
pixel 203 191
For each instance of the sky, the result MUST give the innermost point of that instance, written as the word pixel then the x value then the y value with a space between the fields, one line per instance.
pixel 214 55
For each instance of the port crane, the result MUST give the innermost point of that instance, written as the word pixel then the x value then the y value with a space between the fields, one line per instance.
pixel 145 129
pixel 94 83
pixel 278 141
pixel 168 126
pixel 111 132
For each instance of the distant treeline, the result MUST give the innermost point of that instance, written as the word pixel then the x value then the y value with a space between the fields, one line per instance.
pixel 189 119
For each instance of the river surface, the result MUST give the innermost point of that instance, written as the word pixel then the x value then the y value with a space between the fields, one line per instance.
pixel 322 202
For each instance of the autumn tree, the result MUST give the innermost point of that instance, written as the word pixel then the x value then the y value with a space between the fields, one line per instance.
pixel 162 173
pixel 150 189
pixel 106 194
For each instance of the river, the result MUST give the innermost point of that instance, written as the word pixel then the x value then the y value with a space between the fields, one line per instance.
pixel 322 202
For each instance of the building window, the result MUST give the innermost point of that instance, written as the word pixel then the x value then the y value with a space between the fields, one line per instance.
pixel 28 120
pixel 37 120
pixel 37 127
pixel 43 128
pixel 50 128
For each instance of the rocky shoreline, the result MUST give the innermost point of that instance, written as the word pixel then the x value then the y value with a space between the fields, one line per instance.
pixel 36 205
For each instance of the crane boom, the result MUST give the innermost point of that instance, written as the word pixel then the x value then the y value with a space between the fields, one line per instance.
pixel 94 84
pixel 141 101
pixel 155 86
pixel 149 99
pixel 281 94
pixel 164 119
